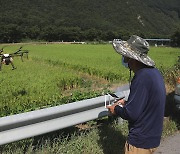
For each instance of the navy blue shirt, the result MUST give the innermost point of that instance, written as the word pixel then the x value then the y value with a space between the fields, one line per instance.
pixel 144 108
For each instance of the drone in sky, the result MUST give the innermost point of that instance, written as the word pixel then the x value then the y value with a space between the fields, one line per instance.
pixel 7 59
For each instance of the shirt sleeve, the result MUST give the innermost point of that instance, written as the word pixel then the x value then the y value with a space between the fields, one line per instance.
pixel 136 103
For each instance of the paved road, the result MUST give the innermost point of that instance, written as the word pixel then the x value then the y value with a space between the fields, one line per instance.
pixel 170 145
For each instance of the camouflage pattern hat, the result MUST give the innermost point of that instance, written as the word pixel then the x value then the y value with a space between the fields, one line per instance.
pixel 135 48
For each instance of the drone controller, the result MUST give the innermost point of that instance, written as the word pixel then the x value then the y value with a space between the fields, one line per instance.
pixel 111 101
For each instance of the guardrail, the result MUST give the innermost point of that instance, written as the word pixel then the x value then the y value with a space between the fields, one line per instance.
pixel 29 124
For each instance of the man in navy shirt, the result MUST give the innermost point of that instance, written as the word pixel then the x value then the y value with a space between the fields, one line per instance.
pixel 144 108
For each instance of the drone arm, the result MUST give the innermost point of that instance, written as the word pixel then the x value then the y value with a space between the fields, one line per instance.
pixel 21 57
pixel 0 65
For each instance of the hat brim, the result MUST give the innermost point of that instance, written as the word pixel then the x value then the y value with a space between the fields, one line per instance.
pixel 124 49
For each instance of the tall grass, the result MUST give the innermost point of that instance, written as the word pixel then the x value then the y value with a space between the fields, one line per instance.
pixel 99 137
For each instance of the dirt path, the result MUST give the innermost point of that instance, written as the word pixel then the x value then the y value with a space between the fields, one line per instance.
pixel 170 145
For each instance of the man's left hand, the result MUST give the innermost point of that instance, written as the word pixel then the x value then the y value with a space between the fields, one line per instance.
pixel 111 108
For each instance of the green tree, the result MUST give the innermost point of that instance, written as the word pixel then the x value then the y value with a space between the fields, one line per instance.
pixel 11 33
pixel 175 39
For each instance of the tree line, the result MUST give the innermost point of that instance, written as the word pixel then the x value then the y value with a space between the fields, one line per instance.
pixel 175 39
pixel 95 20
pixel 13 33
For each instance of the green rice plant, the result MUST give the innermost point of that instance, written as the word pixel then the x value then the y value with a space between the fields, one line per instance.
pixel 171 75
pixel 100 60
pixel 164 57
pixel 54 73
pixel 34 85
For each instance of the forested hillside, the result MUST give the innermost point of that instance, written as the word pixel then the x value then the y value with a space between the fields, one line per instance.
pixel 80 20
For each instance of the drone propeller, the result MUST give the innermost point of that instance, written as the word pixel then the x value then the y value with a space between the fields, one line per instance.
pixel 18 50
pixel 21 53
pixel 2 49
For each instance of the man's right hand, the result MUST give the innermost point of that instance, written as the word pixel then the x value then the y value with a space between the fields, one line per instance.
pixel 121 102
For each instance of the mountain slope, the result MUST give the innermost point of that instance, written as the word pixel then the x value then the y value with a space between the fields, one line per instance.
pixel 155 18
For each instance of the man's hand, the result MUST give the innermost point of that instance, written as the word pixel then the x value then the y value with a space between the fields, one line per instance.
pixel 121 102
pixel 111 107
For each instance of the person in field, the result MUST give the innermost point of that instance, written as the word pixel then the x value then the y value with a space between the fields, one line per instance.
pixel 145 106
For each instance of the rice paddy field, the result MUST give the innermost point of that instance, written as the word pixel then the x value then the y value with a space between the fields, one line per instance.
pixel 56 74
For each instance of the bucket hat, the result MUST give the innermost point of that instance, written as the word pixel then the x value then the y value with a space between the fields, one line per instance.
pixel 136 48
